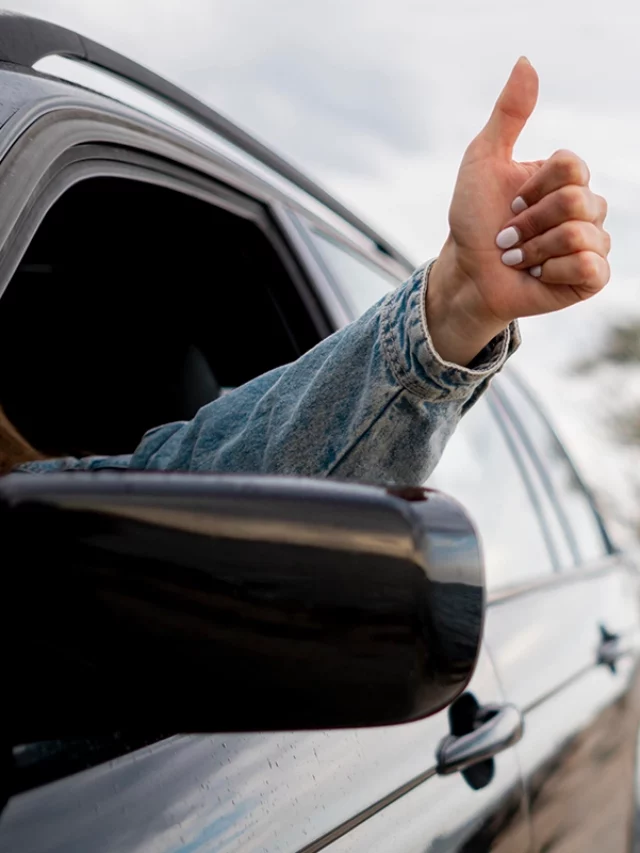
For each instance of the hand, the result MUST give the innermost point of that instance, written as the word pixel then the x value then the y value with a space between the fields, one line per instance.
pixel 525 238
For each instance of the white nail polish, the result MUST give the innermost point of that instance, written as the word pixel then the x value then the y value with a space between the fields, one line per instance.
pixel 512 257
pixel 536 271
pixel 519 204
pixel 507 238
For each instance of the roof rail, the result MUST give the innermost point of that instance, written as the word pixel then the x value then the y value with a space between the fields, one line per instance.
pixel 25 40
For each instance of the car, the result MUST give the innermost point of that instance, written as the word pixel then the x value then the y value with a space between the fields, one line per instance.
pixel 135 223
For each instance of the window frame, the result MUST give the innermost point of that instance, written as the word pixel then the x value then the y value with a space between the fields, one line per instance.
pixel 516 451
pixel 52 147
pixel 366 251
pixel 529 446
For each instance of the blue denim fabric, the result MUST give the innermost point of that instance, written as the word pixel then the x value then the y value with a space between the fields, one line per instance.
pixel 372 402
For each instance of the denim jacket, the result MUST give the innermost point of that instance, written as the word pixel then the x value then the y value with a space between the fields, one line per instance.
pixel 372 402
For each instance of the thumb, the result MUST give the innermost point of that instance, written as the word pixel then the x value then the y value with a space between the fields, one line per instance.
pixel 514 106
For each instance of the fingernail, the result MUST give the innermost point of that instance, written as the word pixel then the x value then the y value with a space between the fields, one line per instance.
pixel 508 237
pixel 512 257
pixel 519 204
pixel 536 271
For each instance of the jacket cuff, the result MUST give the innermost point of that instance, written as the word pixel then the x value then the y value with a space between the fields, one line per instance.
pixel 412 357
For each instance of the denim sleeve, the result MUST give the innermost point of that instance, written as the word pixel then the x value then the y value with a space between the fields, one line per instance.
pixel 372 402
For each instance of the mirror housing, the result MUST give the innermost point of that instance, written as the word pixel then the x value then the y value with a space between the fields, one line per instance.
pixel 207 603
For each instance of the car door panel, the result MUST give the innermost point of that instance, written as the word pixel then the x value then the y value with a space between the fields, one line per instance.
pixel 444 814
pixel 428 821
pixel 552 633
pixel 268 792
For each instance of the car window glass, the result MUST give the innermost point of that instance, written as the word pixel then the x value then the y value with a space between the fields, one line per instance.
pixel 479 469
pixel 362 283
pixel 560 542
pixel 574 502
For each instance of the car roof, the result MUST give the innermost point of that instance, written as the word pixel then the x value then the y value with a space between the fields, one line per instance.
pixel 26 42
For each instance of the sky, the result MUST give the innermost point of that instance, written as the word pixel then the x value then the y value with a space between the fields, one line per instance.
pixel 377 99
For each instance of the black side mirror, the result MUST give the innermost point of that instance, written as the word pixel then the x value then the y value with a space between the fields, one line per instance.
pixel 190 603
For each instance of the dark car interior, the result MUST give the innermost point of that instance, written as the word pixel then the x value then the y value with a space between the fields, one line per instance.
pixel 133 306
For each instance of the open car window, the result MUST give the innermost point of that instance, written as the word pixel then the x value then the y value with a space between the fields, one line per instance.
pixel 134 305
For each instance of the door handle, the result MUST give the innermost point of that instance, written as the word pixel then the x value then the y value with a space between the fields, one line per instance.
pixel 610 649
pixel 497 728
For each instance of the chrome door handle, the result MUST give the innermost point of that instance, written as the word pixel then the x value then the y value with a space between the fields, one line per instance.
pixel 498 727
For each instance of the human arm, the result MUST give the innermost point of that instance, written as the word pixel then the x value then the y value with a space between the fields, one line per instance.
pixel 373 402
pixel 378 400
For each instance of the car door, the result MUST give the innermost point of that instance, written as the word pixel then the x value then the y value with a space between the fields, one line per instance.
pixel 481 808
pixel 272 792
pixel 566 654
pixel 358 790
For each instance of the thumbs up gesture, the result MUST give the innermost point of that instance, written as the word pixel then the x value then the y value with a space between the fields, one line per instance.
pixel 525 238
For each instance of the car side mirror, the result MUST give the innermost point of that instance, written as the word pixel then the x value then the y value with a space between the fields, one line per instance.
pixel 203 603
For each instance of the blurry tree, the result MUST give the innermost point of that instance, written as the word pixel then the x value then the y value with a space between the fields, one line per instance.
pixel 620 351
pixel 621 346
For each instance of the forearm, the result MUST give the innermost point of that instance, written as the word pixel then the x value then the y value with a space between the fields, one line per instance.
pixel 373 402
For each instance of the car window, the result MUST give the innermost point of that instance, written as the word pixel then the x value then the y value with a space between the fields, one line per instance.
pixel 163 346
pixel 362 283
pixel 560 542
pixel 566 486
pixel 479 469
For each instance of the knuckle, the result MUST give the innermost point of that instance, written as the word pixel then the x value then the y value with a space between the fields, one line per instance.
pixel 570 168
pixel 603 206
pixel 588 268
pixel 573 237
pixel 572 202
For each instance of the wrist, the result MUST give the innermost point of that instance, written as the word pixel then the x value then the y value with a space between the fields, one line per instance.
pixel 459 322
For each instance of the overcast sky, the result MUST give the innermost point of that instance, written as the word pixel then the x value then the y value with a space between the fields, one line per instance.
pixel 379 98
